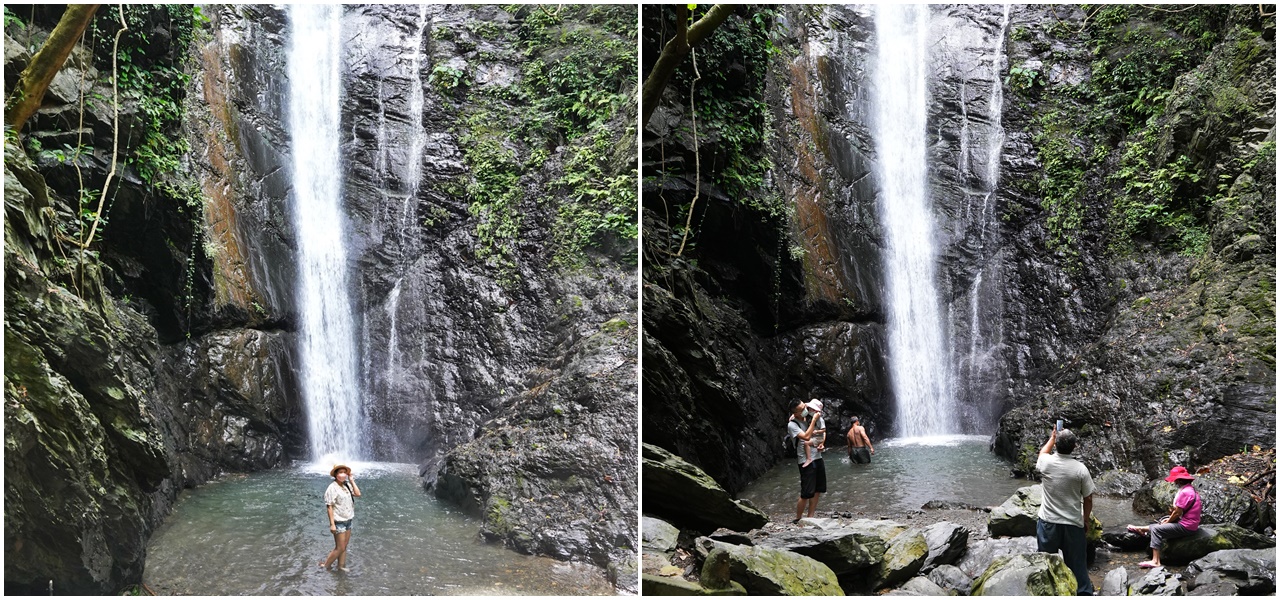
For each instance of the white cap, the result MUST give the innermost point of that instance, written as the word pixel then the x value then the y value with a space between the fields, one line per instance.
pixel 815 405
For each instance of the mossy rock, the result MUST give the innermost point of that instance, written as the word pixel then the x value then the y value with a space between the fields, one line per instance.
pixel 1031 574
pixel 766 571
pixel 1212 538
pixel 902 559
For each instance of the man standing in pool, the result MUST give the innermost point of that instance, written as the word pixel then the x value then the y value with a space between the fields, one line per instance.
pixel 1064 516
pixel 859 444
pixel 813 477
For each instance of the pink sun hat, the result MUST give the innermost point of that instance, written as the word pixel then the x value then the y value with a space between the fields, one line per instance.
pixel 1179 472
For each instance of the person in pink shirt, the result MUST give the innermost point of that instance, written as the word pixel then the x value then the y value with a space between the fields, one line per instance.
pixel 1183 519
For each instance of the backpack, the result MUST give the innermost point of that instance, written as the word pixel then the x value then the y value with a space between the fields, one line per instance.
pixel 789 444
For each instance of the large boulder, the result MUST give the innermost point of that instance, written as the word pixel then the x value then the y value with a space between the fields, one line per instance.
pixel 685 495
pixel 951 578
pixel 946 541
pixel 768 571
pixel 902 559
pixel 1252 572
pixel 1157 582
pixel 979 555
pixel 854 546
pixel 1118 483
pixel 1030 574
pixel 1211 538
pixel 1017 515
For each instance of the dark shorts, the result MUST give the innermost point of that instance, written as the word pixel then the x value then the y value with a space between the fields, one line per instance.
pixel 860 456
pixel 813 479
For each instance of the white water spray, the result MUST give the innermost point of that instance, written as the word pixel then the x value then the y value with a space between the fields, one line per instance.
pixel 918 360
pixel 330 387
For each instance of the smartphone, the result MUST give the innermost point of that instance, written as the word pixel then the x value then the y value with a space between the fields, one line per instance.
pixel 1058 427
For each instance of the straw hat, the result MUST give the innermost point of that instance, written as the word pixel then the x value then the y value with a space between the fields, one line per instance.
pixel 334 471
pixel 1179 472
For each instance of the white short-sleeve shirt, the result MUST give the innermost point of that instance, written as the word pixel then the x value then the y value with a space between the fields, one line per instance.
pixel 1066 482
pixel 344 508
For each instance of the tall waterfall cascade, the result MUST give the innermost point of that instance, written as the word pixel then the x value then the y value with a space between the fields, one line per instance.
pixel 328 373
pixel 919 361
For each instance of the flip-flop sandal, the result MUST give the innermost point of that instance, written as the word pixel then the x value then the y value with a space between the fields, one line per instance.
pixel 1146 564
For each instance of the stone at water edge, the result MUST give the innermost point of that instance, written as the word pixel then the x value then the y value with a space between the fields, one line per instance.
pixel 766 571
pixel 842 550
pixel 1211 538
pixel 688 497
pixel 902 559
pixel 947 542
pixel 1118 483
pixel 1031 574
pixel 658 535
pixel 1253 572
pixel 1126 540
pixel 1017 515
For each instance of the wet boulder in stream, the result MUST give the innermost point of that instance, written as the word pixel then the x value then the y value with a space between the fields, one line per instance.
pixel 861 545
pixel 947 543
pixel 1017 515
pixel 1212 538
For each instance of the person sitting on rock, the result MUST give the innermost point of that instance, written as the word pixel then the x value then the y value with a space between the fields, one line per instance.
pixel 1183 519
pixel 860 448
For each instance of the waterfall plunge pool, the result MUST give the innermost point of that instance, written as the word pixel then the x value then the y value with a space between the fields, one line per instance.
pixel 903 475
pixel 263 533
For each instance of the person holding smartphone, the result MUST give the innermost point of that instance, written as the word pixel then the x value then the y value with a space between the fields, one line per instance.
pixel 341 508
pixel 1063 521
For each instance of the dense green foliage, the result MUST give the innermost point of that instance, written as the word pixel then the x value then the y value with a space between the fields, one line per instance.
pixel 734 121
pixel 576 90
pixel 1113 126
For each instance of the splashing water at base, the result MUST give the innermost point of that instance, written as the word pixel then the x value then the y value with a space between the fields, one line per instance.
pixel 264 533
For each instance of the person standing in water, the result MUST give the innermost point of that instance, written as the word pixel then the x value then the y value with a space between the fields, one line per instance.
pixel 813 476
pixel 860 448
pixel 341 508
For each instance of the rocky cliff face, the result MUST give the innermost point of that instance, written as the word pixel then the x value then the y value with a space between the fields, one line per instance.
pixel 149 365
pixel 1182 367
pixel 171 358
pixel 1135 347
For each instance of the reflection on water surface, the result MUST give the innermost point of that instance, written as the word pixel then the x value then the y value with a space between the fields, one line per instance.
pixel 264 533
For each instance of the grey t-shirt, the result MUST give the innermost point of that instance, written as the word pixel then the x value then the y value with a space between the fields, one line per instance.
pixel 1066 482
pixel 794 429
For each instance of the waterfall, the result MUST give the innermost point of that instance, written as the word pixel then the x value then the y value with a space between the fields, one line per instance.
pixel 918 360
pixel 328 362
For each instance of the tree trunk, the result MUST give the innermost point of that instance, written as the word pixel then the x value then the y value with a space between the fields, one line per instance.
pixel 28 93
pixel 676 49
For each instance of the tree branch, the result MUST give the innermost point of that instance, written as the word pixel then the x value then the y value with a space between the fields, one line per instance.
pixel 28 93
pixel 674 52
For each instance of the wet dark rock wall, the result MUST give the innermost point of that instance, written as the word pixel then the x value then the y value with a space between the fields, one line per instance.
pixel 1154 357
pixel 157 363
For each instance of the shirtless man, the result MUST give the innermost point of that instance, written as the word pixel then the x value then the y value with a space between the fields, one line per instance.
pixel 860 448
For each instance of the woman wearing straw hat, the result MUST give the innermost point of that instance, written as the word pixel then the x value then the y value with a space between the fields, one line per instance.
pixel 1183 519
pixel 341 509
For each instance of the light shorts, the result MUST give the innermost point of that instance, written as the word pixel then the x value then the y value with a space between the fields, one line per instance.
pixel 343 526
